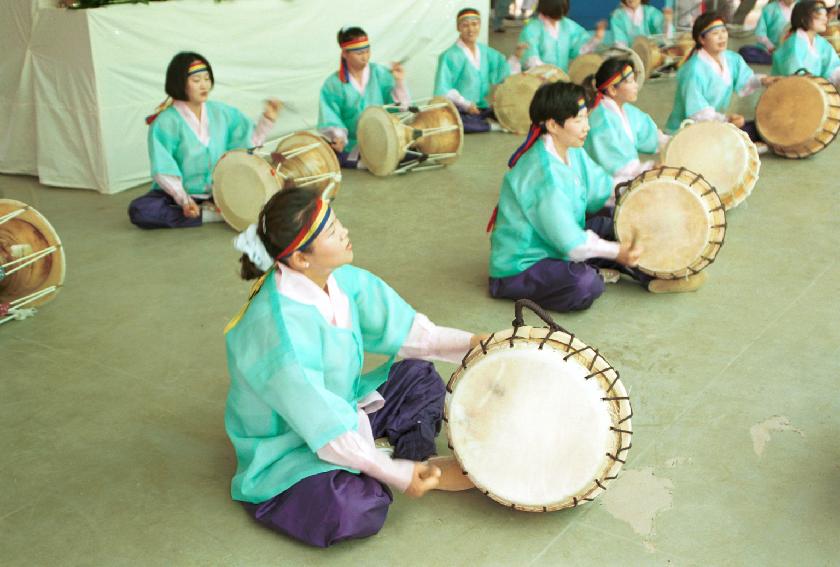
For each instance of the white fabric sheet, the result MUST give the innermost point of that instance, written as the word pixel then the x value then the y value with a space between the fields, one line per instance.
pixel 75 85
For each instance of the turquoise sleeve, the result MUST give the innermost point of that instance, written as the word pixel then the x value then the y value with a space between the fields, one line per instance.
pixel 163 141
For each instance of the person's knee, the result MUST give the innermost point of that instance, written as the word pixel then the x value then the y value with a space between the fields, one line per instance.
pixel 358 511
pixel 588 287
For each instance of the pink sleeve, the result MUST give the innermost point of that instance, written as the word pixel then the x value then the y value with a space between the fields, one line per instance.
pixel 401 95
pixel 264 126
pixel 458 99
pixel 174 187
pixel 427 341
pixel 356 450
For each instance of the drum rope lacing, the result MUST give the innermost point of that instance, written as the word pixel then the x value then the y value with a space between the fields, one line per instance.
pixel 554 327
pixel 15 309
pixel 657 173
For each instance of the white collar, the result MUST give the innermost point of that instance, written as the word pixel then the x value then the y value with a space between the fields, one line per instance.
pixel 613 106
pixel 720 67
pixel 552 27
pixel 636 15
pixel 201 128
pixel 474 58
pixel 811 43
pixel 332 303
pixel 365 78
pixel 549 146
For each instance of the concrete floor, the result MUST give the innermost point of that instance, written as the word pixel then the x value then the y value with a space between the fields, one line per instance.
pixel 114 452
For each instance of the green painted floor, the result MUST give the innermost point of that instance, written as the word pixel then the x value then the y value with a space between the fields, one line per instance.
pixel 114 452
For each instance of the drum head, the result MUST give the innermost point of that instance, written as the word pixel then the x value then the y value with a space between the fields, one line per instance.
pixel 319 160
pixel 439 112
pixel 583 66
pixel 512 99
pixel 722 153
pixel 242 184
pixel 649 54
pixel 791 112
pixel 678 219
pixel 379 142
pixel 530 425
pixel 548 73
pixel 27 233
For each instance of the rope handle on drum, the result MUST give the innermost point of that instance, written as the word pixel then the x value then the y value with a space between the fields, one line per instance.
pixel 519 321
pixel 622 187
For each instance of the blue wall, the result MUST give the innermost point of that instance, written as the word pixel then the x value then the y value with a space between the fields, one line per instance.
pixel 588 12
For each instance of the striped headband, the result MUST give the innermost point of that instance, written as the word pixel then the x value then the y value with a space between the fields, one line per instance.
pixel 581 104
pixel 355 44
pixel 613 81
pixel 469 15
pixel 197 66
pixel 310 230
pixel 713 25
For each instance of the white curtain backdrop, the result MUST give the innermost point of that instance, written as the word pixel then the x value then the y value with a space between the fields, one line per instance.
pixel 76 85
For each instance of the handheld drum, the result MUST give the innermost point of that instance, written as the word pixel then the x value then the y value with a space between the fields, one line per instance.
pixel 430 135
pixel 722 153
pixel 244 180
pixel 588 64
pixel 32 260
pixel 676 215
pixel 655 55
pixel 798 116
pixel 512 98
pixel 537 419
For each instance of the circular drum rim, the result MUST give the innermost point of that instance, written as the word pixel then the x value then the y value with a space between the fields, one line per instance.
pixel 704 191
pixel 620 410
pixel 58 267
pixel 268 182
pixel 743 188
pixel 822 136
pixel 323 150
pixel 388 162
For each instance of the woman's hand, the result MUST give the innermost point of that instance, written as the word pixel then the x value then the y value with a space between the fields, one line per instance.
pixel 273 107
pixel 630 252
pixel 338 145
pixel 768 80
pixel 398 72
pixel 521 48
pixel 425 477
pixel 480 338
pixel 600 30
pixel 191 210
pixel 736 120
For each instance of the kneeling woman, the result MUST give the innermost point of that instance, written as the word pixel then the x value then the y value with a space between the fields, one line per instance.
pixel 805 48
pixel 357 84
pixel 187 135
pixel 620 130
pixel 300 414
pixel 710 75
pixel 542 247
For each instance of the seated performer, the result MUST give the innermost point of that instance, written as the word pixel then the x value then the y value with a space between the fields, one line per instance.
pixel 542 246
pixel 187 135
pixel 774 20
pixel 633 18
pixel 357 84
pixel 468 70
pixel 300 414
pixel 709 76
pixel 555 39
pixel 619 130
pixel 805 48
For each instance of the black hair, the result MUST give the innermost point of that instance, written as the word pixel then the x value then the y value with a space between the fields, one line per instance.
pixel 554 9
pixel 464 11
pixel 643 2
pixel 346 34
pixel 280 221
pixel 559 101
pixel 607 69
pixel 802 14
pixel 176 73
pixel 700 23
